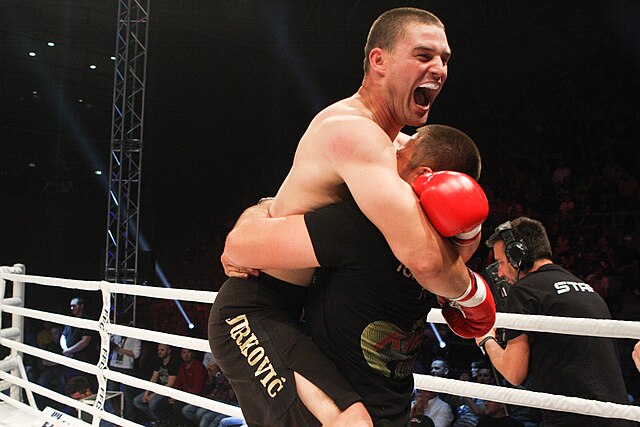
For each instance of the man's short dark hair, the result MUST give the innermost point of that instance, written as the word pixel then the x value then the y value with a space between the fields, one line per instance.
pixel 531 233
pixel 391 25
pixel 77 384
pixel 442 147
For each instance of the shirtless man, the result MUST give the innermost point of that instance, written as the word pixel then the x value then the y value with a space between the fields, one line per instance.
pixel 348 148
pixel 368 316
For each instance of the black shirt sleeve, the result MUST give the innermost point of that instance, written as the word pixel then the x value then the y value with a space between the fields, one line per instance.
pixel 330 231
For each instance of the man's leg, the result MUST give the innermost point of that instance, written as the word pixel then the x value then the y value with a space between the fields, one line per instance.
pixel 211 419
pixel 325 409
pixel 142 407
pixel 159 407
pixel 189 412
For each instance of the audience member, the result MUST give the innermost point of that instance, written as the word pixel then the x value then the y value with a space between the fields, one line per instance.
pixel 78 343
pixel 428 403
pixel 496 416
pixel 469 409
pixel 153 405
pixel 124 352
pixel 217 388
pixel 51 374
pixel 78 388
pixel 191 378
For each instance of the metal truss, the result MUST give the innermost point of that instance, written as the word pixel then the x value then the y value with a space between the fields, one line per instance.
pixel 122 240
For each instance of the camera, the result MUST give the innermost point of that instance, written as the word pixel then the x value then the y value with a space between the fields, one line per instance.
pixel 499 287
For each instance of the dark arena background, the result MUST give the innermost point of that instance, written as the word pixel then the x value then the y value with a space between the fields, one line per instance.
pixel 549 90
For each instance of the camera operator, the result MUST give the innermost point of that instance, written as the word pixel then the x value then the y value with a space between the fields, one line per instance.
pixel 580 366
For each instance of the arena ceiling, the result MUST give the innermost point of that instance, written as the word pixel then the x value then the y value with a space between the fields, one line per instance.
pixel 232 84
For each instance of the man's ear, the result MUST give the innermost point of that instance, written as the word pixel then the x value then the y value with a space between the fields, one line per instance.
pixel 377 60
pixel 424 169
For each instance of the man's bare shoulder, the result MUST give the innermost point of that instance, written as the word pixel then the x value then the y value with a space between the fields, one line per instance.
pixel 346 125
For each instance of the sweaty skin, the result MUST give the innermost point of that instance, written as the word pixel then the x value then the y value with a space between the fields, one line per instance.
pixel 349 147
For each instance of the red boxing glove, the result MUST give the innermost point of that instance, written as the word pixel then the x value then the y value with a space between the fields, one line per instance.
pixel 454 203
pixel 473 314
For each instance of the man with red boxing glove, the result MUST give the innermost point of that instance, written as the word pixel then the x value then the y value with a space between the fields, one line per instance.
pixel 348 152
pixel 369 316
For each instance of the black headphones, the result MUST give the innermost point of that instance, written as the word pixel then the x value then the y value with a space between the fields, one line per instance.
pixel 517 252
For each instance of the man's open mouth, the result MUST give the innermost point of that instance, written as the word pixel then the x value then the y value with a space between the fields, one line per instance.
pixel 423 95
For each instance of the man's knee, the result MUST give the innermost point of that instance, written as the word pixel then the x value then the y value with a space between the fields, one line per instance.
pixel 355 415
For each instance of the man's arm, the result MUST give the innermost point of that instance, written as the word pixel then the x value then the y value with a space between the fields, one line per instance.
pixel 148 394
pixel 263 242
pixel 366 161
pixel 171 380
pixel 512 361
pixel 79 346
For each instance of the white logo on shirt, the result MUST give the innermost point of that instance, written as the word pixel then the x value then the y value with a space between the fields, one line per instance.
pixel 565 286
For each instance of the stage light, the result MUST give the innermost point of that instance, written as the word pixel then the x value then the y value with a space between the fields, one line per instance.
pixel 32 54
pixel 441 343
pixel 51 44
pixel 93 67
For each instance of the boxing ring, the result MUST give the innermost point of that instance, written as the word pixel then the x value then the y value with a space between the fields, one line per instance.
pixel 13 377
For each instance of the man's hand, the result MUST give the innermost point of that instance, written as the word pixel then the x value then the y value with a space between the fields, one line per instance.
pixel 473 314
pixel 233 270
pixel 261 210
pixel 636 355
pixel 148 395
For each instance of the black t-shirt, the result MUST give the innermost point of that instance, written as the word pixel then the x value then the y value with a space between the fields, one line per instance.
pixel 369 315
pixel 569 365
pixel 167 370
pixel 74 335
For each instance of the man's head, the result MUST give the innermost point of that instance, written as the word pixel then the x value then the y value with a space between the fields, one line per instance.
pixel 484 375
pixel 439 368
pixel 77 306
pixel 186 354
pixel 494 409
pixel 78 388
pixel 476 365
pixel 56 331
pixel 407 50
pixel 435 148
pixel 517 245
pixel 164 351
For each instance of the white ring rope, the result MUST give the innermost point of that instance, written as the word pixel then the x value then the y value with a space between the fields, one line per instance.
pixel 206 297
pixel 52 281
pixel 143 334
pixel 38 414
pixel 68 401
pixel 606 328
pixel 576 326
pixel 210 404
pixel 528 398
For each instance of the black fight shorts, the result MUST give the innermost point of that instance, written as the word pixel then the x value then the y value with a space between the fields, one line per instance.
pixel 258 344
